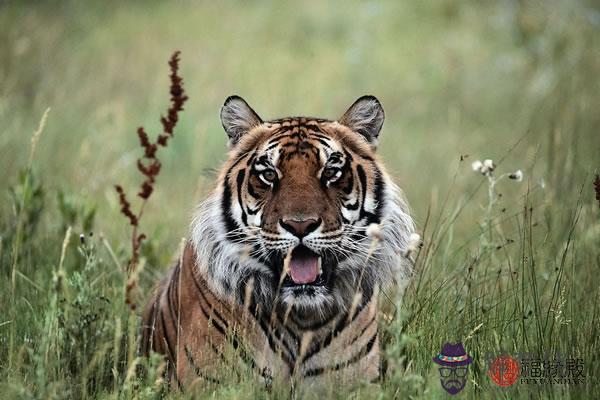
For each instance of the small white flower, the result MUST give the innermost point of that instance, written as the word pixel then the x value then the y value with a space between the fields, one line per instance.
pixel 489 165
pixel 517 175
pixel 414 244
pixel 374 231
pixel 477 165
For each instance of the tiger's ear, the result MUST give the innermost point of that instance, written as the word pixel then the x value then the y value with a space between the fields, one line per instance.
pixel 365 117
pixel 238 118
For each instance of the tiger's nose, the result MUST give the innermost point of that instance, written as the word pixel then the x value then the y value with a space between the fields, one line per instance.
pixel 300 227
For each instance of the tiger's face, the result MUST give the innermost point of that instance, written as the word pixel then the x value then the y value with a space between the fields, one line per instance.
pixel 286 227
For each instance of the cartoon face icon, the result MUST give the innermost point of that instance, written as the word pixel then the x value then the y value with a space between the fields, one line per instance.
pixel 453 379
pixel 454 363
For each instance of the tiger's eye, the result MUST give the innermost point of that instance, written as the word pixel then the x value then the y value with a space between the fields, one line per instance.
pixel 269 175
pixel 329 173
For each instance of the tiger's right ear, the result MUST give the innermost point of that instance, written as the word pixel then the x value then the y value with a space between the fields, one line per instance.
pixel 238 118
pixel 365 117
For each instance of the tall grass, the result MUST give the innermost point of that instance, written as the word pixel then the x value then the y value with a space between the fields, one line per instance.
pixel 506 267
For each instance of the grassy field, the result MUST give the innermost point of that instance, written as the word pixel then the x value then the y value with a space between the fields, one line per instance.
pixel 506 267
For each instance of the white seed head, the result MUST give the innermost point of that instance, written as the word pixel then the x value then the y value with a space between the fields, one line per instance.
pixel 374 231
pixel 477 165
pixel 517 175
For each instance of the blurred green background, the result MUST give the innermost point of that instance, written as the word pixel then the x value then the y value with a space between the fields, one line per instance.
pixel 515 81
pixel 455 78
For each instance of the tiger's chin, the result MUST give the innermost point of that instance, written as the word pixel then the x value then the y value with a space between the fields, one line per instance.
pixel 307 298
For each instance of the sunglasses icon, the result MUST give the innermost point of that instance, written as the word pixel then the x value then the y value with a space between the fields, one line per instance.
pixel 459 372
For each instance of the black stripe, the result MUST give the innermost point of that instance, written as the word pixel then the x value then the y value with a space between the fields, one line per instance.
pixel 223 330
pixel 342 323
pixel 362 332
pixel 212 320
pixel 230 224
pixel 288 359
pixel 234 340
pixel 219 353
pixel 335 157
pixel 253 211
pixel 293 335
pixel 362 177
pixel 240 181
pixel 327 341
pixel 379 190
pixel 365 156
pixel 174 315
pixel 170 349
pixel 251 158
pixel 279 137
pixel 352 207
pixel 347 171
pixel 319 135
pixel 199 287
pixel 360 355
pixel 243 354
pixel 271 146
pixel 278 334
pixel 197 370
pixel 252 192
pixel 217 325
pixel 253 276
pixel 153 337
pixel 324 143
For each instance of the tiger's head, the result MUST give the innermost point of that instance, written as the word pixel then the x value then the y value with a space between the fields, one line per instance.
pixel 286 227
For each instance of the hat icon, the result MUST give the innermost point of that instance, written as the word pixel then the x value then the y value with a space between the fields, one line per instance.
pixel 453 355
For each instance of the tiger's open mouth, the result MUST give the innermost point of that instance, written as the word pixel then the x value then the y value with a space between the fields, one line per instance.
pixel 304 268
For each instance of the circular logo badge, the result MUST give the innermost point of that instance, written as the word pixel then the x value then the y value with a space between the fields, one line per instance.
pixel 504 370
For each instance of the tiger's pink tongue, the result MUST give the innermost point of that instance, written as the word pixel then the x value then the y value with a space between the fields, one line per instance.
pixel 304 269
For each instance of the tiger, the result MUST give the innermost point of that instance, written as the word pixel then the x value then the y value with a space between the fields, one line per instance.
pixel 287 256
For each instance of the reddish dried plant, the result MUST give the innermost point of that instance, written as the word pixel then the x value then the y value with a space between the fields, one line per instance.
pixel 149 165
pixel 597 188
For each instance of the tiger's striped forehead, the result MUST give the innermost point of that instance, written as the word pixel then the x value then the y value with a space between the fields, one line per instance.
pixel 302 137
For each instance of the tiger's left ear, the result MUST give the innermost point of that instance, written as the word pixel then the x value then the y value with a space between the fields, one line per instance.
pixel 365 117
pixel 238 118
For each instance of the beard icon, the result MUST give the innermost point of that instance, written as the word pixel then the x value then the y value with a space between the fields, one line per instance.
pixel 453 379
